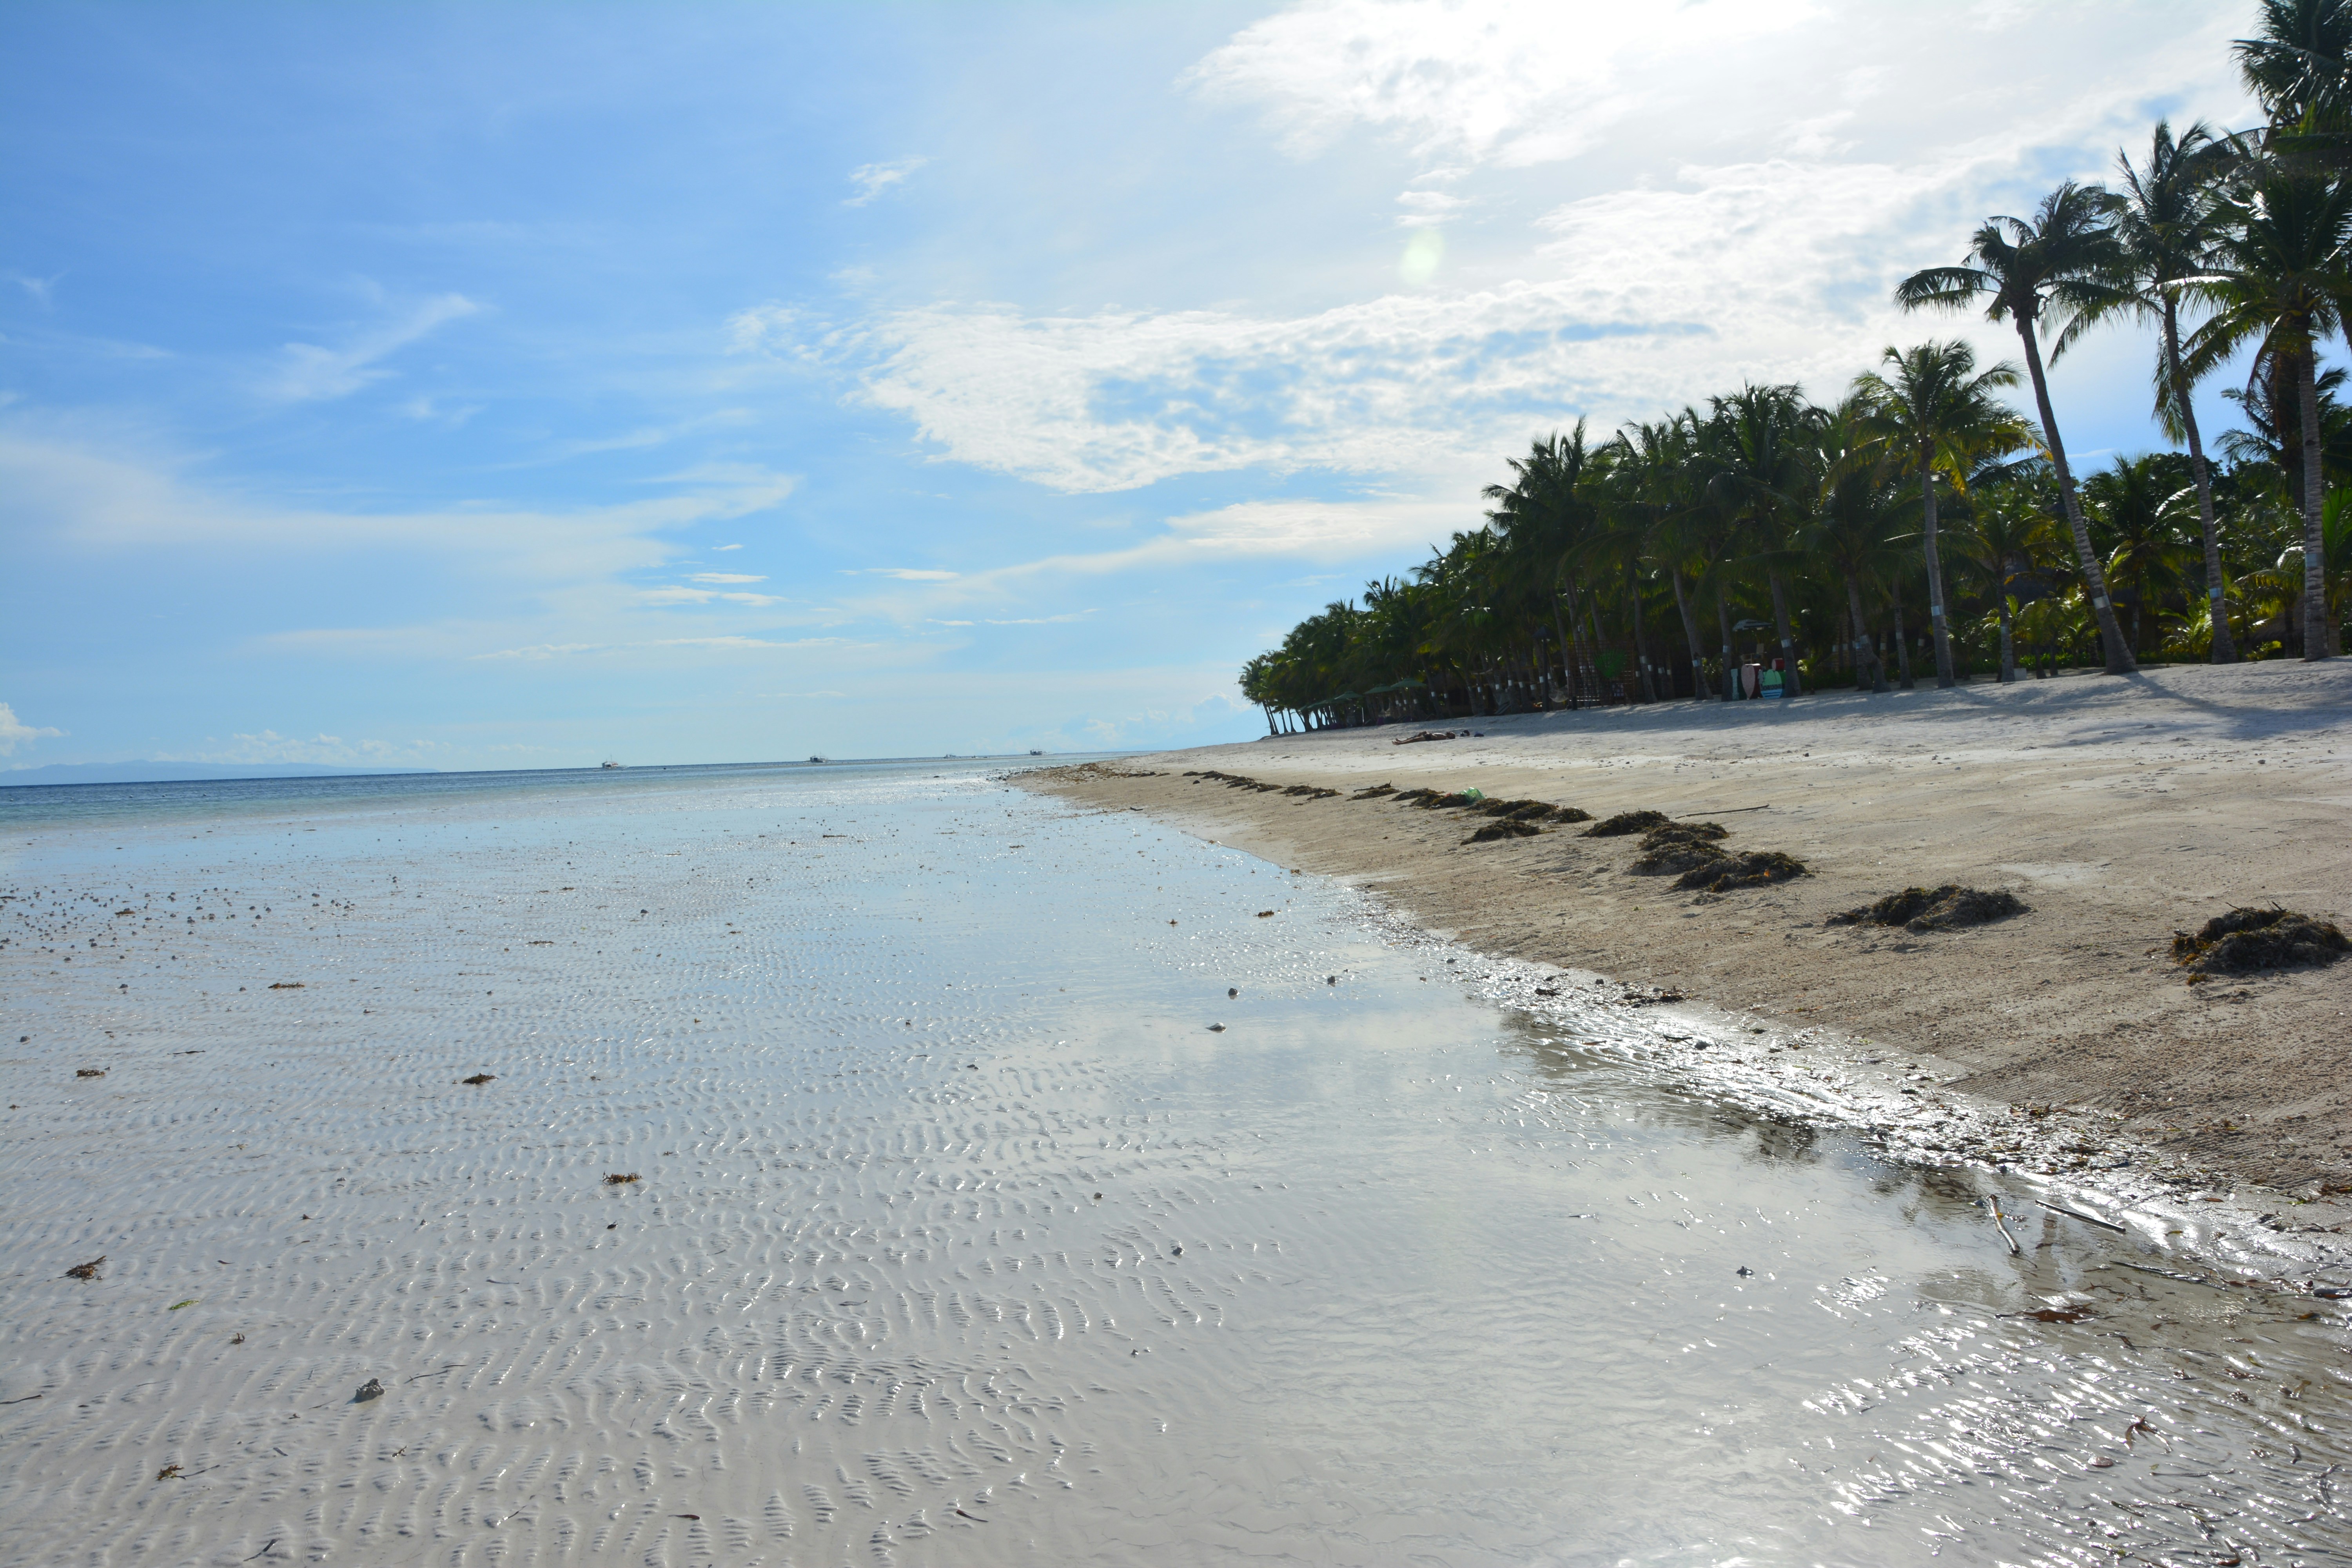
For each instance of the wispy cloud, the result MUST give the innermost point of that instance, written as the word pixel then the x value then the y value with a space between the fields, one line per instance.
pixel 41 289
pixel 724 577
pixel 903 573
pixel 15 733
pixel 564 651
pixel 308 372
pixel 96 498
pixel 873 179
pixel 703 596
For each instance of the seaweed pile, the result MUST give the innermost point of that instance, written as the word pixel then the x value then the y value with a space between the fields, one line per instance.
pixel 1678 847
pixel 1626 822
pixel 1748 869
pixel 1948 907
pixel 1236 780
pixel 2246 941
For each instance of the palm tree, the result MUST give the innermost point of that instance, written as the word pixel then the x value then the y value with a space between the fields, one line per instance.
pixel 1547 520
pixel 2007 525
pixel 1652 468
pixel 1937 414
pixel 2057 263
pixel 1855 532
pixel 1760 446
pixel 2165 221
pixel 2137 510
pixel 2279 277
pixel 2301 69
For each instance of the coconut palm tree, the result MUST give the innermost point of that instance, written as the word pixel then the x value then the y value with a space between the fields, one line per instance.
pixel 2055 265
pixel 1652 473
pixel 1855 532
pixel 2166 221
pixel 2006 527
pixel 2137 510
pixel 1761 448
pixel 1548 520
pixel 2300 67
pixel 1934 415
pixel 2279 277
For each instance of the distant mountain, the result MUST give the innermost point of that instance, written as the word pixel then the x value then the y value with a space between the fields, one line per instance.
pixel 179 772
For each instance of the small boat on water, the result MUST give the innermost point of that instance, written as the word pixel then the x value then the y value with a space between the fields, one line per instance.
pixel 1035 752
pixel 816 758
pixel 612 764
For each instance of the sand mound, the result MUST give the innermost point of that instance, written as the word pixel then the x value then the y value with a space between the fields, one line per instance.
pixel 2246 939
pixel 1948 908
pixel 1749 869
pixel 1626 822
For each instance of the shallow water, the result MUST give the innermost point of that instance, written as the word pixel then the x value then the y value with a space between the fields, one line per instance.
pixel 960 1238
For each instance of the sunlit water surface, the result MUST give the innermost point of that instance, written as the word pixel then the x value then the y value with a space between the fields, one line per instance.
pixel 958 1235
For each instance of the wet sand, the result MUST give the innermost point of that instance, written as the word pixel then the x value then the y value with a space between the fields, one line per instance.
pixel 2120 810
pixel 1020 1183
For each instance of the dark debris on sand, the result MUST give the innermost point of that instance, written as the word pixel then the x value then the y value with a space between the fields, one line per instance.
pixel 480 1079
pixel 87 1271
pixel 1506 828
pixel 2246 941
pixel 1948 907
pixel 1749 869
pixel 1626 822
pixel 620 1179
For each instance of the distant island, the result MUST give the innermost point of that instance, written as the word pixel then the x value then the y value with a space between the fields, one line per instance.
pixel 179 772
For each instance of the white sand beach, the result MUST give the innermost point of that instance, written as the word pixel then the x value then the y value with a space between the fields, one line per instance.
pixel 2120 810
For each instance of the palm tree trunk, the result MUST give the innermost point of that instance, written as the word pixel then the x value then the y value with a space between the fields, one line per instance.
pixel 2008 644
pixel 1641 641
pixel 1863 647
pixel 1935 626
pixel 2314 543
pixel 1789 684
pixel 1690 634
pixel 1566 650
pixel 1902 644
pixel 2111 636
pixel 1730 670
pixel 2225 652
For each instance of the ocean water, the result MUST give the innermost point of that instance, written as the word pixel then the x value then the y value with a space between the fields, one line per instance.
pixel 957 1231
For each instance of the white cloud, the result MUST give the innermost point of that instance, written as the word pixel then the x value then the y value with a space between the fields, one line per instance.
pixel 15 732
pixel 308 372
pixel 1513 82
pixel 55 485
pixel 903 573
pixel 724 577
pixel 716 548
pixel 1675 256
pixel 873 179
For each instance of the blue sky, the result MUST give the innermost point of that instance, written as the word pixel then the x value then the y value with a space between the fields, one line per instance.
pixel 517 385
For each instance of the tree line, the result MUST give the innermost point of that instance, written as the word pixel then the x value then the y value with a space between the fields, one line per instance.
pixel 1919 514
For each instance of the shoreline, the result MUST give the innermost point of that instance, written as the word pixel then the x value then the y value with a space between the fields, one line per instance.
pixel 2061 1044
